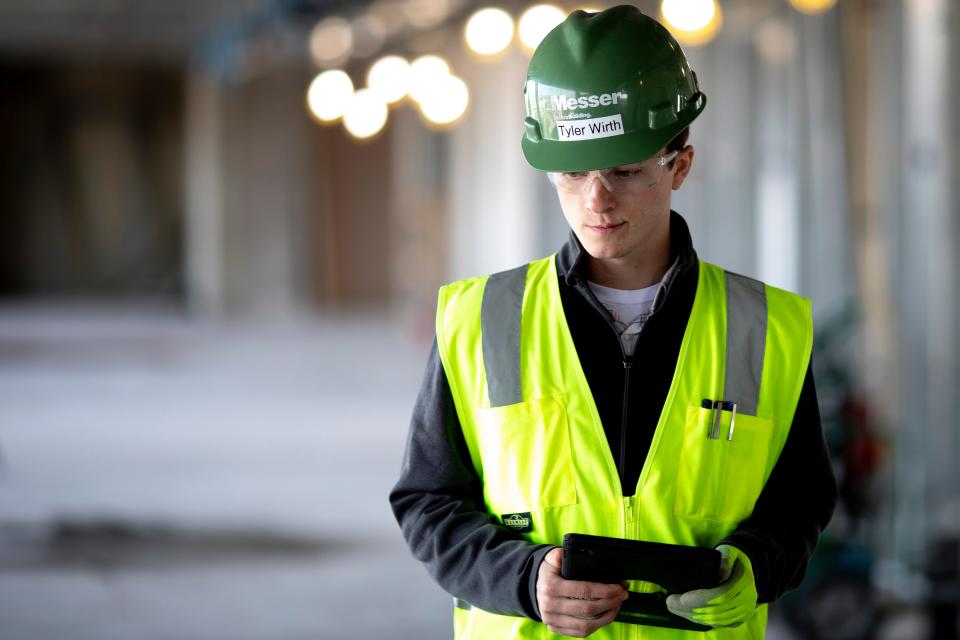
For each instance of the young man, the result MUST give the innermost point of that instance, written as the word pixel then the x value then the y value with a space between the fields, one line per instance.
pixel 621 387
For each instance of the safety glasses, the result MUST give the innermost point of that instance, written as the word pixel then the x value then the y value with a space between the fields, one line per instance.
pixel 631 178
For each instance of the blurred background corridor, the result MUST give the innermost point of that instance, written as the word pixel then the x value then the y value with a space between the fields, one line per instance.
pixel 222 228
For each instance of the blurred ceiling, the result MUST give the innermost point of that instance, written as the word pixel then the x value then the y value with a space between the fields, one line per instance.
pixel 154 29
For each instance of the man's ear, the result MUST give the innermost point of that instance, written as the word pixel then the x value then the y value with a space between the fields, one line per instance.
pixel 682 165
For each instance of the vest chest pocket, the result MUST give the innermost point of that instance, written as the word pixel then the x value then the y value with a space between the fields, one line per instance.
pixel 721 479
pixel 525 454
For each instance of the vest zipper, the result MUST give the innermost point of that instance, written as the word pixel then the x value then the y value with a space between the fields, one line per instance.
pixel 585 291
pixel 627 368
pixel 629 525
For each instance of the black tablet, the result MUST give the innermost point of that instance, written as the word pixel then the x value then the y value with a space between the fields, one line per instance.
pixel 675 568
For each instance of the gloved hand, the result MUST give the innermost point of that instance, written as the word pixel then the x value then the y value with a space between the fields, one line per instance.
pixel 727 605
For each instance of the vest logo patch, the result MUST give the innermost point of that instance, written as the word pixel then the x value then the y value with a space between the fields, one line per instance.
pixel 521 522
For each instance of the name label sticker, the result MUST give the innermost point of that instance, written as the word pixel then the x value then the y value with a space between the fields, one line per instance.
pixel 590 129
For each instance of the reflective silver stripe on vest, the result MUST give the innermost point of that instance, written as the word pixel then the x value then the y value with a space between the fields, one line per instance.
pixel 746 341
pixel 462 604
pixel 500 314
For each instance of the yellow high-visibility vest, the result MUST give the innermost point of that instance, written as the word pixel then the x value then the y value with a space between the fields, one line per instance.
pixel 536 441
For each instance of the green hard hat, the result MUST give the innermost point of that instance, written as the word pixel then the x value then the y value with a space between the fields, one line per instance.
pixel 606 89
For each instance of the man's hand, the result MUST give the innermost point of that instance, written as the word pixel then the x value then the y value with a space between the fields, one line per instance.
pixel 572 607
pixel 728 605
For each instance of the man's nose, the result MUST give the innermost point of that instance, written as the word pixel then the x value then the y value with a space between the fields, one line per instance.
pixel 597 197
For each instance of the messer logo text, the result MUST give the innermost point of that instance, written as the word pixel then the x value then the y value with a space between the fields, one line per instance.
pixel 567 103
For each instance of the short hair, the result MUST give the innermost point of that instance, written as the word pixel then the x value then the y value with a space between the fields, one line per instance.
pixel 678 143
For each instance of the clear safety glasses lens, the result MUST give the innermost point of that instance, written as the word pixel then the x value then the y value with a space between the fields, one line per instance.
pixel 631 178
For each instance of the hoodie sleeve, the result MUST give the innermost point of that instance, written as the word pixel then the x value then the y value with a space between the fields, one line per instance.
pixel 438 503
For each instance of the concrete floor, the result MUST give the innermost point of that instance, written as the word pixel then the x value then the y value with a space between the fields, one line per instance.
pixel 270 430
pixel 257 436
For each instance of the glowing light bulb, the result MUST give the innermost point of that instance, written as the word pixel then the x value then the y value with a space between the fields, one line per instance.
pixel 392 14
pixel 425 73
pixel 389 77
pixel 692 22
pixel 812 6
pixel 489 31
pixel 688 15
pixel 328 95
pixel 446 102
pixel 331 42
pixel 369 34
pixel 366 115
pixel 536 22
pixel 775 41
pixel 426 14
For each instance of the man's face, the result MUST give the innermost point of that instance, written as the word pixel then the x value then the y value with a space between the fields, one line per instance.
pixel 621 212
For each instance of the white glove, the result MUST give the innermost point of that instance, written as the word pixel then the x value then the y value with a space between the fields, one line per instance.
pixel 728 605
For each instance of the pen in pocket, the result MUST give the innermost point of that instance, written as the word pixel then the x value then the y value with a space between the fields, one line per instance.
pixel 718 407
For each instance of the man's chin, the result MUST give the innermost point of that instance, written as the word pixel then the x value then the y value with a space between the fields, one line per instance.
pixel 601 251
